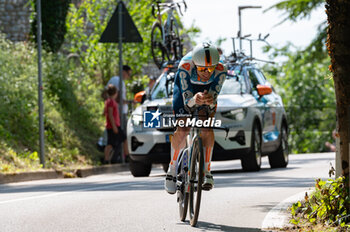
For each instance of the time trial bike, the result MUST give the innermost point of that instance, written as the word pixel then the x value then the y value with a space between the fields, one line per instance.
pixel 190 172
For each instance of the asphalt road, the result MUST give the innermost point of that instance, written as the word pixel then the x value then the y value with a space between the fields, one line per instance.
pixel 239 201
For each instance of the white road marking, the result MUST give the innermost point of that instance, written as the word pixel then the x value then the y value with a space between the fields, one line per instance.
pixel 62 193
pixel 277 217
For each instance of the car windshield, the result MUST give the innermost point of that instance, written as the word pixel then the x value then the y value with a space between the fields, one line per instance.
pixel 164 87
pixel 234 85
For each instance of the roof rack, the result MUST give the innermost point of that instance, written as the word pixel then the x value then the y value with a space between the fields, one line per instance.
pixel 238 56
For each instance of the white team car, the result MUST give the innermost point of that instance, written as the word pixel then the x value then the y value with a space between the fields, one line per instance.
pixel 247 105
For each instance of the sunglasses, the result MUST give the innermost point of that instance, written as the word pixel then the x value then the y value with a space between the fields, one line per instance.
pixel 202 69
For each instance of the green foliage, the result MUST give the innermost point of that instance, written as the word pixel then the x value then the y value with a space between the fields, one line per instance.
pixel 305 83
pixel 137 85
pixel 297 9
pixel 92 17
pixel 192 32
pixel 53 17
pixel 101 60
pixel 329 204
pixel 17 82
pixel 73 107
pixel 72 110
pixel 303 80
pixel 11 161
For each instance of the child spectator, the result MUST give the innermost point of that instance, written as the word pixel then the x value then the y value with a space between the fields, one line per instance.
pixel 115 134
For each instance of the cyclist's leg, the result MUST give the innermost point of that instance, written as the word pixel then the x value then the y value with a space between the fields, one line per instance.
pixel 178 142
pixel 208 139
pixel 208 144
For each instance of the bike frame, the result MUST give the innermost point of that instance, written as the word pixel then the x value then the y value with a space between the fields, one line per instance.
pixel 193 134
pixel 169 9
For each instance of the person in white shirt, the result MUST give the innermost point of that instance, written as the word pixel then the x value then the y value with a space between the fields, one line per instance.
pixel 115 81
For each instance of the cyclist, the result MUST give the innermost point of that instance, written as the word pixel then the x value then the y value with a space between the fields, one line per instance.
pixel 198 81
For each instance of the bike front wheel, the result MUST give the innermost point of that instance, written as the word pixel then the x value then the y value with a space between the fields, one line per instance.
pixel 157 47
pixel 196 179
pixel 182 194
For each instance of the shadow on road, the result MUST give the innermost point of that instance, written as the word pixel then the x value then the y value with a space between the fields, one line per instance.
pixel 207 226
pixel 223 179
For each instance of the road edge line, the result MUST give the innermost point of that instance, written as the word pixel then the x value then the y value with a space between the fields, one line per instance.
pixel 7 178
pixel 277 217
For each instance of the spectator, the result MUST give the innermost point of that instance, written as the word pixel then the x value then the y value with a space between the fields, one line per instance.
pixel 332 146
pixel 115 135
pixel 115 81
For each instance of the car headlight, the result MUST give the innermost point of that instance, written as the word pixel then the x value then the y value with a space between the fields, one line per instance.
pixel 236 114
pixel 136 119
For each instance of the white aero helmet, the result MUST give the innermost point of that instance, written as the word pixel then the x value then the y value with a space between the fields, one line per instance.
pixel 205 54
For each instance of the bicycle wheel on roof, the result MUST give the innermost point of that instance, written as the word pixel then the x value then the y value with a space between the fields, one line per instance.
pixel 157 47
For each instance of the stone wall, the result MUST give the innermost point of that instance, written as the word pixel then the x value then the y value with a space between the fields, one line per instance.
pixel 14 19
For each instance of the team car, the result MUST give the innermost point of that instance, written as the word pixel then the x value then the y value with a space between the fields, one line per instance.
pixel 248 106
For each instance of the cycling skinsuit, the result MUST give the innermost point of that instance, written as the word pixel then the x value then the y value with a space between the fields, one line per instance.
pixel 188 83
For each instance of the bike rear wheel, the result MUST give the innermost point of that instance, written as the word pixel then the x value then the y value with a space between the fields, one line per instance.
pixel 196 179
pixel 157 48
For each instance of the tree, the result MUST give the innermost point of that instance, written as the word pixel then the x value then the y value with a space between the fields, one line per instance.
pixel 301 9
pixel 297 9
pixel 338 44
pixel 53 20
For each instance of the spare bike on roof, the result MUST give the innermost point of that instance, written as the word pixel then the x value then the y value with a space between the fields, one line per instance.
pixel 238 56
pixel 165 38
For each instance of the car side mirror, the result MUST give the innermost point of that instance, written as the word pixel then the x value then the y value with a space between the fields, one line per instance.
pixel 140 96
pixel 263 90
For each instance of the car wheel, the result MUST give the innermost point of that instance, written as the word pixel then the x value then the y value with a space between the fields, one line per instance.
pixel 279 158
pixel 165 167
pixel 252 160
pixel 139 169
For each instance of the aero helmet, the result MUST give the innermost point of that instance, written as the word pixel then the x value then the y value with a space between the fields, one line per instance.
pixel 205 54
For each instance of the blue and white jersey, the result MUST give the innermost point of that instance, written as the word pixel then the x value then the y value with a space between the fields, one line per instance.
pixel 188 78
